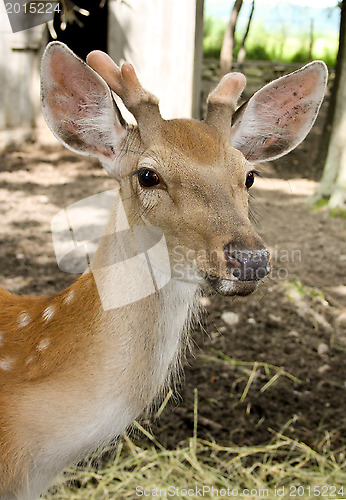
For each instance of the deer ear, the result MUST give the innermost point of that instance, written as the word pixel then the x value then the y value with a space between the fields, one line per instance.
pixel 279 116
pixel 78 106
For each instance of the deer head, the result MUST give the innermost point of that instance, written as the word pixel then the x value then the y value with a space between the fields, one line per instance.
pixel 189 178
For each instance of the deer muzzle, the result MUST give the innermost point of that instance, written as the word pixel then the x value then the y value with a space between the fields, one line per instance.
pixel 247 265
pixel 245 268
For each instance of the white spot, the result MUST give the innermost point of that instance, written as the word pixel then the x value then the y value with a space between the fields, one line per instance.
pixel 24 319
pixel 6 364
pixel 48 313
pixel 43 344
pixel 69 297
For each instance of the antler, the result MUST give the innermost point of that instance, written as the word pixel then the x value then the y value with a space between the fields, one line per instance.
pixel 222 101
pixel 124 82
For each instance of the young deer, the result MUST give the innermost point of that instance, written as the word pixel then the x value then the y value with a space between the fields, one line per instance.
pixel 75 370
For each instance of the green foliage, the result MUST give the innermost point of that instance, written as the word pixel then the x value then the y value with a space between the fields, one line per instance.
pixel 275 46
pixel 297 288
pixel 338 212
pixel 320 204
pixel 213 33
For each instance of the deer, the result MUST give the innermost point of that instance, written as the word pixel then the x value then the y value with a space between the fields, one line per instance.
pixel 76 369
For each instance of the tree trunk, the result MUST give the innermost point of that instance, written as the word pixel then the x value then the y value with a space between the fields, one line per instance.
pixel 226 56
pixel 333 182
pixel 242 51
pixel 311 41
pixel 323 148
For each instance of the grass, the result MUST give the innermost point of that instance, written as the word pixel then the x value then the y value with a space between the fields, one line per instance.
pixel 278 467
pixel 275 470
pixel 275 46
pixel 252 369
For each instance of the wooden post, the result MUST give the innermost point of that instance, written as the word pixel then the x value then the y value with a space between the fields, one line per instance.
pixel 163 40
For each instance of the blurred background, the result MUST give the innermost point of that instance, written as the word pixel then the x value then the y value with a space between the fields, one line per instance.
pixel 281 31
pixel 168 42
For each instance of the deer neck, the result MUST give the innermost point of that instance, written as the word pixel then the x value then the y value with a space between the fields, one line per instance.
pixel 143 312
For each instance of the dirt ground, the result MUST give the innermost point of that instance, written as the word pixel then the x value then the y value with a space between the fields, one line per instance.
pixel 296 320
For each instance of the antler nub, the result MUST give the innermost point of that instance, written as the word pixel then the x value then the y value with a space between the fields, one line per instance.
pixel 222 101
pixel 124 82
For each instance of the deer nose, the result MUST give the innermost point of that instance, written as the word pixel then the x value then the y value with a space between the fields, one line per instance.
pixel 247 265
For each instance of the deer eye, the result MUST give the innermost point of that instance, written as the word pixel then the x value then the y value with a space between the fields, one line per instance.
pixel 250 179
pixel 148 178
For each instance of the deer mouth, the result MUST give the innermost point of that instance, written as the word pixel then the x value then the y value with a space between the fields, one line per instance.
pixel 231 287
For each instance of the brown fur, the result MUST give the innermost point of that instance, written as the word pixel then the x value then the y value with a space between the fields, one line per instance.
pixel 32 366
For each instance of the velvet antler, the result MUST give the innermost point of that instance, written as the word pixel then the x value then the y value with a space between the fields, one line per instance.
pixel 222 101
pixel 124 82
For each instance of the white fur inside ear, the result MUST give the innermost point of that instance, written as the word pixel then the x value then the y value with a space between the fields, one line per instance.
pixel 78 106
pixel 279 116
